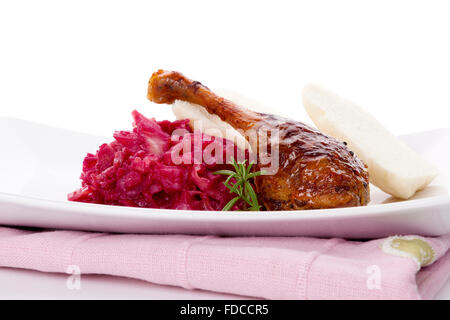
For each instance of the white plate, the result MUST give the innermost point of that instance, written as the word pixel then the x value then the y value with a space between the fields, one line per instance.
pixel 39 165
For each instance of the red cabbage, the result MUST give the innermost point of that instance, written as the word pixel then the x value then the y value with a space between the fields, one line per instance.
pixel 148 167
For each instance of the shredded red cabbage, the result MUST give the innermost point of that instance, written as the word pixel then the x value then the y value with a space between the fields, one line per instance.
pixel 150 167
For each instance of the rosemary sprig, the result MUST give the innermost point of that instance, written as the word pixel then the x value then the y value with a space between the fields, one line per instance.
pixel 242 186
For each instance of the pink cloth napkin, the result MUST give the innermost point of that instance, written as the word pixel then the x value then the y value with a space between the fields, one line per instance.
pixel 264 267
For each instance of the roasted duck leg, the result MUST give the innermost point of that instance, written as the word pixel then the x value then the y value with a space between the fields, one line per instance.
pixel 315 171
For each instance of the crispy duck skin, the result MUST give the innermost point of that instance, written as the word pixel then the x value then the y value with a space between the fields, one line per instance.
pixel 315 171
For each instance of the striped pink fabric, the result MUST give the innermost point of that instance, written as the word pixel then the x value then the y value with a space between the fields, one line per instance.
pixel 264 267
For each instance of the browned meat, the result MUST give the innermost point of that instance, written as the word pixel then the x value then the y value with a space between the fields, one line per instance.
pixel 315 171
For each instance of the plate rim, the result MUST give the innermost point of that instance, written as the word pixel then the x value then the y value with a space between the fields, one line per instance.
pixel 207 215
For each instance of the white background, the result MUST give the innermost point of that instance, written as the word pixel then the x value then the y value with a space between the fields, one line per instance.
pixel 84 65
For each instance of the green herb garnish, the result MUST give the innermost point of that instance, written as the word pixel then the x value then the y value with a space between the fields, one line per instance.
pixel 242 186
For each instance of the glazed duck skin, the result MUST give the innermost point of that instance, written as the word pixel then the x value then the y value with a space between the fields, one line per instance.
pixel 315 171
